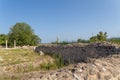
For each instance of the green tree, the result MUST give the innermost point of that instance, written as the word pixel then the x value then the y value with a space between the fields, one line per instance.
pixel 94 39
pixel 35 40
pixel 101 37
pixel 82 41
pixel 23 34
pixel 3 39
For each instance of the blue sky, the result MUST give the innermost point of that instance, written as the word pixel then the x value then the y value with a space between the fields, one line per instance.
pixel 68 19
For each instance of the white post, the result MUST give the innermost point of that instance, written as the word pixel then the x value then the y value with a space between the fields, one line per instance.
pixel 14 43
pixel 6 44
pixel 58 39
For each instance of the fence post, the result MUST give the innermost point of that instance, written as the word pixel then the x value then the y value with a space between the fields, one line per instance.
pixel 6 44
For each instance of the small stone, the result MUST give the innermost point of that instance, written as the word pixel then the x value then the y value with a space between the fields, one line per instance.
pixel 76 76
pixel 73 70
pixel 80 70
pixel 92 72
pixel 119 78
pixel 99 76
pixel 115 73
pixel 93 66
pixel 107 77
pixel 56 74
pixel 104 69
pixel 41 53
pixel 104 64
pixel 65 76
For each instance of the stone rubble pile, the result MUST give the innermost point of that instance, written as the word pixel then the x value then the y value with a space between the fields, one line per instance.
pixel 100 69
pixel 79 52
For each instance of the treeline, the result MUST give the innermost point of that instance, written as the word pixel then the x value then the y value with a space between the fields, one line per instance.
pixel 100 37
pixel 114 40
pixel 22 34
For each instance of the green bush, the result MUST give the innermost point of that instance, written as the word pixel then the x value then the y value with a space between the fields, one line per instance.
pixel 47 66
pixel 58 60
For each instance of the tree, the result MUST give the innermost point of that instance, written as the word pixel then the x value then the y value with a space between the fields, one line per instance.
pixel 101 37
pixel 82 41
pixel 3 39
pixel 23 34
pixel 35 40
pixel 94 39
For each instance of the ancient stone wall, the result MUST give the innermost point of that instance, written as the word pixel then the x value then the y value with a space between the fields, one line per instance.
pixel 79 52
pixel 101 69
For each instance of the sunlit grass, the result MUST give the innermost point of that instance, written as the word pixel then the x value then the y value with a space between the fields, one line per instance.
pixel 21 57
pixel 20 61
pixel 16 56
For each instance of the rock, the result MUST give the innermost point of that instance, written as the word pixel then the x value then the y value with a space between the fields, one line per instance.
pixel 82 52
pixel 107 77
pixel 80 70
pixel 92 72
pixel 115 73
pixel 76 77
pixel 42 53
pixel 86 71
pixel 119 78
pixel 73 70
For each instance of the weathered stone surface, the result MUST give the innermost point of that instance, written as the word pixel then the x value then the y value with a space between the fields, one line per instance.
pixel 79 52
pixel 100 69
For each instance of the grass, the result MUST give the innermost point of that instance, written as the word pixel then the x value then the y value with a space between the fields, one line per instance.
pixel 19 56
pixel 17 61
pixel 16 56
pixel 6 77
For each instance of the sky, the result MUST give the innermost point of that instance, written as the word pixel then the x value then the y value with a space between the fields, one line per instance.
pixel 67 19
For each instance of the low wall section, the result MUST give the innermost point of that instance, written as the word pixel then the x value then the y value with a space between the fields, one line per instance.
pixel 79 52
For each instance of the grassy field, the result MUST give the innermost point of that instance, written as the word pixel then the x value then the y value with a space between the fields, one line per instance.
pixel 19 61
pixel 17 56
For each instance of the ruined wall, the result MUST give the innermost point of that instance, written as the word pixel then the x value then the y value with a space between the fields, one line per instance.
pixel 101 69
pixel 79 52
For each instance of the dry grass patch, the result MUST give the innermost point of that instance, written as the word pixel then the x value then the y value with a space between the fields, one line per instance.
pixel 22 60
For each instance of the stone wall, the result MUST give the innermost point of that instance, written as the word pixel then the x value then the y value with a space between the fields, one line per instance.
pixel 101 69
pixel 79 52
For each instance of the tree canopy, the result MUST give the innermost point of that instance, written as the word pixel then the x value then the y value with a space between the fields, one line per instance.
pixel 3 38
pixel 100 37
pixel 82 41
pixel 23 35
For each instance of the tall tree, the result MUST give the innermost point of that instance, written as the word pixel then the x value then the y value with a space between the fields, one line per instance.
pixel 23 34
